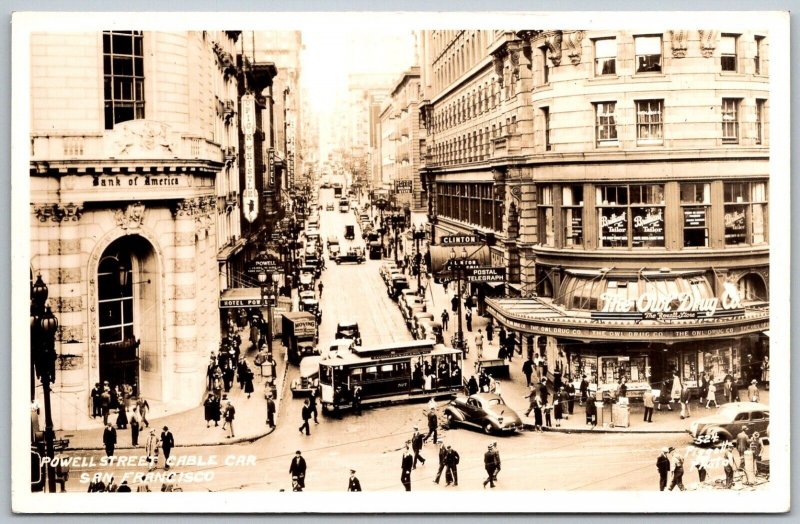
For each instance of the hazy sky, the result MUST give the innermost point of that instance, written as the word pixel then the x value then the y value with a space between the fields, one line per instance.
pixel 330 56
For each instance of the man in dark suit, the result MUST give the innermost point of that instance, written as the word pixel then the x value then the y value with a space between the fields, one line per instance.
pixel 489 464
pixel 663 466
pixel 306 414
pixel 109 439
pixel 417 440
pixel 105 405
pixel 96 392
pixel 298 470
pixel 442 462
pixel 406 466
pixel 451 463
pixel 167 443
pixel 270 411
pixel 353 484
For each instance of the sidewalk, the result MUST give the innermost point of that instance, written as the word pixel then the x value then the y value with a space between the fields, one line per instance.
pixel 514 389
pixel 189 427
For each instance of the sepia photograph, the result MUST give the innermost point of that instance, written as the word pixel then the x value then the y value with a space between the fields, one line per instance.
pixel 496 259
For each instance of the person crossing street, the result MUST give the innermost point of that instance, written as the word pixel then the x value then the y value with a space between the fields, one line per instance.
pixel 489 465
pixel 417 440
pixel 451 465
pixel 442 462
pixel 406 466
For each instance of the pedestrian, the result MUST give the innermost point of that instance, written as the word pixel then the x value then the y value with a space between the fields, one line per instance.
pixel 483 382
pixel 742 444
pixel 472 386
pixel 591 413
pixel 584 389
pixel 124 487
pixel 96 392
pixel 548 410
pixel 442 462
pixel 538 407
pixel 217 382
pixel 306 414
pixel 496 453
pixel 527 370
pixel 701 463
pixel 489 465
pixel 727 389
pixel 686 399
pixel 468 319
pixel 320 287
pixel 122 415
pixel 208 409
pixel 479 344
pixel 405 467
pixel 703 387
pixel 531 396
pixel 454 303
pixel 622 389
pixel 752 391
pixel 544 393
pixel 298 471
pixel 712 394
pixel 433 424
pixel 168 442
pixel 248 380
pixel 649 404
pixel 469 303
pixel 417 440
pixel 109 439
pixel 558 405
pixel 312 403
pixel 663 466
pixel 445 319
pixel 501 336
pixel 451 465
pixel 755 445
pixel 677 388
pixel 490 331
pixel 270 411
pixel 357 399
pixel 677 472
pixel 765 372
pixel 151 450
pixel 727 466
pixel 353 484
pixel 511 344
pixel 105 405
pixel 570 389
pixel 229 415
pixel 134 431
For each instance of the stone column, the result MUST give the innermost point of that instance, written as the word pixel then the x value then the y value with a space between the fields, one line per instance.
pixel 183 295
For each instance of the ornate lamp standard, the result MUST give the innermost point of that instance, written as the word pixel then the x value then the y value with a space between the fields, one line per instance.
pixel 43 338
pixel 457 265
pixel 418 234
pixel 267 282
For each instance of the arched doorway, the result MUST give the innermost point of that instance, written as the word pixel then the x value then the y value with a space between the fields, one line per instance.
pixel 126 316
pixel 752 288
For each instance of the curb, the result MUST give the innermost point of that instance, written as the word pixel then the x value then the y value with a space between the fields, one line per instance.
pixel 226 442
pixel 530 427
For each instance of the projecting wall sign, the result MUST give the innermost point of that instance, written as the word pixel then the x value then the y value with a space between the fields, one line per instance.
pixel 248 126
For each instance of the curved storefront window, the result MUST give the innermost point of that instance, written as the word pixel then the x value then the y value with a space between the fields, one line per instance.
pixel 631 216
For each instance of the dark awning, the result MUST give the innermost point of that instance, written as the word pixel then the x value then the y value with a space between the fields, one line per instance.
pixel 441 254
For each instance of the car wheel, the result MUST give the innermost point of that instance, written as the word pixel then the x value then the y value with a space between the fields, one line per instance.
pixel 449 421
pixel 488 428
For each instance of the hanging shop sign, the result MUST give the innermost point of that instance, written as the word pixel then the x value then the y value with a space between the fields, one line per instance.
pixel 453 240
pixel 485 274
pixel 248 127
pixel 402 186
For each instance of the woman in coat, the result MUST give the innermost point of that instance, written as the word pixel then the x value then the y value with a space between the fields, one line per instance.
pixel 122 415
pixel 208 409
pixel 537 413
pixel 248 380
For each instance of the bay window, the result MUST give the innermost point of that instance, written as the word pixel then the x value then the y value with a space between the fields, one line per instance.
pixel 572 215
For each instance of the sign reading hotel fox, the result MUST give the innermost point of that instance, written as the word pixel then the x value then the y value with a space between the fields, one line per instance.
pixel 248 126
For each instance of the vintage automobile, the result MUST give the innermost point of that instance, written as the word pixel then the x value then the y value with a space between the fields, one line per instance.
pixel 349 232
pixel 348 330
pixel 333 251
pixel 430 331
pixel 315 270
pixel 329 206
pixel 308 381
pixel 375 251
pixel 418 318
pixel 387 267
pixel 727 422
pixel 393 274
pixel 409 305
pixel 306 281
pixel 366 230
pixel 486 411
pixel 395 285
pixel 338 347
pixel 354 254
pixel 308 294
pixel 311 305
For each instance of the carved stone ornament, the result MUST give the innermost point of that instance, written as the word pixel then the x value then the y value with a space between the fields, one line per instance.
pixel 185 208
pixel 574 40
pixel 708 42
pixel 142 138
pixel 679 43
pixel 498 60
pixel 58 212
pixel 131 217
pixel 553 43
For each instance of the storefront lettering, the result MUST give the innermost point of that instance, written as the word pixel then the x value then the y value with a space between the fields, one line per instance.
pixel 135 181
pixel 612 220
pixel 652 303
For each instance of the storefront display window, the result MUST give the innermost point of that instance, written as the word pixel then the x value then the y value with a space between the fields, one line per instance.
pixel 631 216
pixel 634 369
pixel 718 362
pixel 583 365
pixel 745 213
pixel 689 369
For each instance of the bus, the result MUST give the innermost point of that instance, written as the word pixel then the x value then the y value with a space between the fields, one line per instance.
pixel 404 371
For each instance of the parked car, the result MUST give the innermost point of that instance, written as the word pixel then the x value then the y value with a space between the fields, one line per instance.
pixel 387 267
pixel 417 319
pixel 329 206
pixel 409 305
pixel 349 232
pixel 354 254
pixel 396 285
pixel 333 252
pixel 349 330
pixel 727 422
pixel 431 331
pixel 486 411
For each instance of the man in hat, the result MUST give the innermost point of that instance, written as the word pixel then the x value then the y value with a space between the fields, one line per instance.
pixel 451 463
pixel 742 443
pixel 109 439
pixel 752 391
pixel 353 484
pixel 442 461
pixel 496 453
pixel 298 471
pixel 406 466
pixel 677 472
pixel 167 443
pixel 489 464
pixel 663 465
pixel 417 441
pixel 151 450
pixel 270 411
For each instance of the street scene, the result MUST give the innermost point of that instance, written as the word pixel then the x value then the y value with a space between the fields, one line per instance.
pixel 458 260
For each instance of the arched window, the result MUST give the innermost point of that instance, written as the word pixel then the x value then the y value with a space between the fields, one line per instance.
pixel 752 288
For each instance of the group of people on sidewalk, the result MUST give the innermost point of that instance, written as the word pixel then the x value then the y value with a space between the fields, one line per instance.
pixel 412 452
pixel 131 411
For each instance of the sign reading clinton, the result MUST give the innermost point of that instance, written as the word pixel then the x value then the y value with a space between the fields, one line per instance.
pixel 453 240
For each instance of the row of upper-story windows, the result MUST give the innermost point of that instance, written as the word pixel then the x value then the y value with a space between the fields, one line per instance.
pixel 478 101
pixel 633 215
pixel 472 146
pixel 456 52
pixel 648 56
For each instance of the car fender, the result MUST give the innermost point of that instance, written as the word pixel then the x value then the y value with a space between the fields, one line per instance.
pixel 455 413
pixel 722 434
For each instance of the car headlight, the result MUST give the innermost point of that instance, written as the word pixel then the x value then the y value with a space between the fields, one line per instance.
pixel 499 421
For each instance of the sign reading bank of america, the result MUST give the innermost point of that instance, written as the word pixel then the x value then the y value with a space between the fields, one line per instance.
pixel 248 126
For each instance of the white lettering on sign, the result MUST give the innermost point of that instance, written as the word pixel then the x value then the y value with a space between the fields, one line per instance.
pixel 608 221
pixel 460 239
pixel 248 126
pixel 675 302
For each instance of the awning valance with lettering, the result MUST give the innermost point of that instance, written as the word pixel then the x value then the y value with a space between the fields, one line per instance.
pixel 240 297
pixel 539 316
pixel 441 254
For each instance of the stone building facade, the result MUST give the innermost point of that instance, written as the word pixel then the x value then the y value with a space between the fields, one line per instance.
pixel 134 207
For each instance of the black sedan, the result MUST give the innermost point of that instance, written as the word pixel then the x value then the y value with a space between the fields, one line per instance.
pixel 486 411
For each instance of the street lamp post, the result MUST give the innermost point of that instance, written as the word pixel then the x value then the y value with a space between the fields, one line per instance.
pixel 43 331
pixel 418 234
pixel 457 265
pixel 267 282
